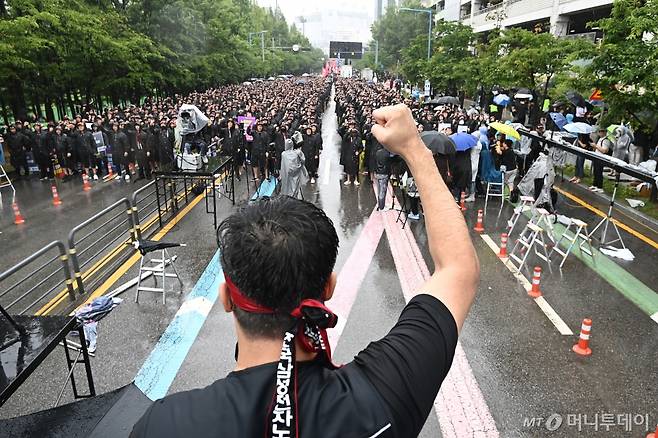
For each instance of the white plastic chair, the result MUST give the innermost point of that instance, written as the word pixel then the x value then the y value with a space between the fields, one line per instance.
pixel 497 192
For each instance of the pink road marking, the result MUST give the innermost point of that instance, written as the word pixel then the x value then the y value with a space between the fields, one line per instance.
pixel 353 272
pixel 460 406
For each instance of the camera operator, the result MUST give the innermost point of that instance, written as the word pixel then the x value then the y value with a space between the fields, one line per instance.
pixel 278 256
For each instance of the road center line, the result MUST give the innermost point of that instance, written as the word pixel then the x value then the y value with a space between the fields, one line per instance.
pixel 352 274
pixel 460 405
pixel 550 313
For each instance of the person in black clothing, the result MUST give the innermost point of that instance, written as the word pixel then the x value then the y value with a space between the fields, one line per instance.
pixel 17 146
pixel 311 151
pixel 42 153
pixel 120 151
pixel 277 256
pixel 259 150
pixel 382 174
pixel 84 148
pixel 232 145
pixel 350 149
pixel 505 159
pixel 63 152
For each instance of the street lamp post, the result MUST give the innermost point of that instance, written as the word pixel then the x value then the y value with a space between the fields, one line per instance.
pixel 429 29
pixel 262 42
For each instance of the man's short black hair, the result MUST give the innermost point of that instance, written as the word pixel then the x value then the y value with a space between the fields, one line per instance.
pixel 277 251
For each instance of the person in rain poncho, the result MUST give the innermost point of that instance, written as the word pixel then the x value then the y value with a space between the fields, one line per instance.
pixel 538 181
pixel 483 141
pixel 293 171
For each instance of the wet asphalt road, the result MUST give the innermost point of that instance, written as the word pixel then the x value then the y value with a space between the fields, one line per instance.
pixel 523 365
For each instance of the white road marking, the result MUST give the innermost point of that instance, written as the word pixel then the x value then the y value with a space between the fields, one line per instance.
pixel 655 317
pixel 326 169
pixel 550 313
pixel 381 431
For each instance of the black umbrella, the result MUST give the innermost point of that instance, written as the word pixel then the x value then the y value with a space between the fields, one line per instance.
pixel 523 93
pixel 576 99
pixel 445 100
pixel 438 143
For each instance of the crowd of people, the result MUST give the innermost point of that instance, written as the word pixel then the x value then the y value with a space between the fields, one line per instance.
pixel 494 157
pixel 250 122
pixel 270 124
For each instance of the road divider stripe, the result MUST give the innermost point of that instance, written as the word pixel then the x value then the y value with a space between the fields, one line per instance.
pixel 546 308
pixel 353 272
pixel 161 367
pixel 460 405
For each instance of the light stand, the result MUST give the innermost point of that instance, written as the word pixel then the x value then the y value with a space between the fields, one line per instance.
pixel 607 221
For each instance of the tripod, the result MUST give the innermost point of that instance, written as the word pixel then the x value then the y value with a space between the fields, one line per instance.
pixel 607 221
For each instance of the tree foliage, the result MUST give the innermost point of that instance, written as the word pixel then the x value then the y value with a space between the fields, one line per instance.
pixel 66 53
pixel 396 30
pixel 625 65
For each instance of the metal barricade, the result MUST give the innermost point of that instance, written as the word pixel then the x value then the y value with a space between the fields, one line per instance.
pixel 104 242
pixel 36 288
pixel 144 209
pixel 177 187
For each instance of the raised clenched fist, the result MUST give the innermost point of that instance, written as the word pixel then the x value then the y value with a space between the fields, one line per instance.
pixel 396 130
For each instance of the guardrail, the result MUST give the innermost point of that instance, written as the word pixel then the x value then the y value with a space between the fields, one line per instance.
pixel 144 204
pixel 106 228
pixel 100 244
pixel 35 288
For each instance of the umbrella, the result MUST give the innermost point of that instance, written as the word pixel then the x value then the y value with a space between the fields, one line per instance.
pixel 190 119
pixel 579 128
pixel 576 99
pixel 438 143
pixel 523 93
pixel 463 141
pixel 505 129
pixel 445 100
pixel 502 100
pixel 558 119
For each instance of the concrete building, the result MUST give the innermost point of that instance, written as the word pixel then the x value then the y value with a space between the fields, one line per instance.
pixel 339 20
pixel 560 17
pixel 381 6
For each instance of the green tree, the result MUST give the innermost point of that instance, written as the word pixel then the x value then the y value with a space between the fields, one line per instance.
pixel 451 67
pixel 531 60
pixel 396 30
pixel 624 65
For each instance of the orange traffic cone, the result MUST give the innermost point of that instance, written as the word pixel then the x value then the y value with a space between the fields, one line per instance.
pixel 85 183
pixel 56 200
pixel 535 292
pixel 503 246
pixel 18 217
pixel 110 172
pixel 462 202
pixel 654 434
pixel 582 347
pixel 479 226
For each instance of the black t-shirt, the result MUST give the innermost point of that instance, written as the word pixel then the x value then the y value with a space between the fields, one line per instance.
pixel 389 389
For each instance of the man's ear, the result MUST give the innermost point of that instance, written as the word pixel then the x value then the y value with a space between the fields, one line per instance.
pixel 225 297
pixel 329 287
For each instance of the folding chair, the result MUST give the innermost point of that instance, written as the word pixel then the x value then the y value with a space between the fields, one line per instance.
pixel 578 229
pixel 146 247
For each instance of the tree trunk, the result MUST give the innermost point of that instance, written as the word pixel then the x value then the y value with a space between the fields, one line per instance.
pixel 50 114
pixel 17 100
pixel 71 102
pixel 3 107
